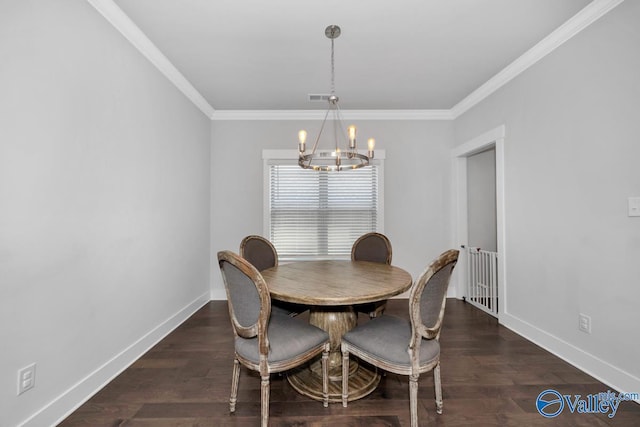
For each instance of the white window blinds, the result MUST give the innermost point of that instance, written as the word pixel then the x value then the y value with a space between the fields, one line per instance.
pixel 320 214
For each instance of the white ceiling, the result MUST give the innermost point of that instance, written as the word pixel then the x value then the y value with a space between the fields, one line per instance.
pixel 392 55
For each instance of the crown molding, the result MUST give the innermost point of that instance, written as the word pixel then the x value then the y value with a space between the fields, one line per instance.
pixel 588 15
pixel 121 22
pixel 320 114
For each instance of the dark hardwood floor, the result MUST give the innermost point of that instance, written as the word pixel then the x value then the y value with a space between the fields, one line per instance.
pixel 491 377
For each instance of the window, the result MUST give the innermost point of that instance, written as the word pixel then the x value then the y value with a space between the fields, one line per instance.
pixel 311 214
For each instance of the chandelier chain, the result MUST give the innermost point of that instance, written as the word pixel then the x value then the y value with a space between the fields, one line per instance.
pixel 333 79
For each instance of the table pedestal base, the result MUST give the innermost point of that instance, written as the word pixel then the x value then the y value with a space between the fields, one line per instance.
pixel 307 380
pixel 362 381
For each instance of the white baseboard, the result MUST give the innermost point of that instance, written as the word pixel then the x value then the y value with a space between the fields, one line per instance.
pixel 59 408
pixel 604 372
pixel 218 295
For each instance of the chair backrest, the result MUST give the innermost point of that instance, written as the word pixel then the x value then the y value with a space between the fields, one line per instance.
pixel 373 247
pixel 247 296
pixel 428 296
pixel 259 252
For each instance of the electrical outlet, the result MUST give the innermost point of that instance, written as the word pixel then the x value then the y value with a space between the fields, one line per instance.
pixel 634 206
pixel 26 378
pixel 584 323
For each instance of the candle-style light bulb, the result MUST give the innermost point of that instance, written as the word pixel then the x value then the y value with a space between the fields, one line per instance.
pixel 338 157
pixel 352 136
pixel 371 144
pixel 302 137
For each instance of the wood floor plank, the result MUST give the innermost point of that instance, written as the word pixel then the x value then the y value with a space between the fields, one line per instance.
pixel 491 377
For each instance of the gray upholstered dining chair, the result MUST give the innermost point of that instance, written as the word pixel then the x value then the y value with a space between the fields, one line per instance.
pixel 264 342
pixel 374 247
pixel 262 254
pixel 407 347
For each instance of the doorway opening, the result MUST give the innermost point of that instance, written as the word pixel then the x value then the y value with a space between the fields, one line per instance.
pixel 480 232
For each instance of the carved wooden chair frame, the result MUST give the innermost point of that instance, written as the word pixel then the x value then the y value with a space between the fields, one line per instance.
pixel 447 259
pixel 259 330
pixel 373 309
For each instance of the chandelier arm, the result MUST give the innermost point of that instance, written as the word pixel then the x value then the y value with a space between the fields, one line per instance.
pixel 345 136
pixel 336 123
pixel 315 144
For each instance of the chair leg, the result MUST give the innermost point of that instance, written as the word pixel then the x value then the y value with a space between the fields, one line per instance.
pixel 438 386
pixel 264 388
pixel 378 311
pixel 235 377
pixel 325 376
pixel 345 376
pixel 413 399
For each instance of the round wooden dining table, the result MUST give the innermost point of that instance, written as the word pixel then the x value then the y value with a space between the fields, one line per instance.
pixel 331 288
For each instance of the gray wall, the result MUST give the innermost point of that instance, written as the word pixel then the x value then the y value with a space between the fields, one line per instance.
pixel 417 183
pixel 481 200
pixel 571 161
pixel 104 217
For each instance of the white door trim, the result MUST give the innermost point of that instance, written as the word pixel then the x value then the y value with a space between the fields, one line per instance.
pixel 493 138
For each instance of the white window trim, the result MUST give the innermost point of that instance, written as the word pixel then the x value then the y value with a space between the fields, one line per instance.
pixel 291 156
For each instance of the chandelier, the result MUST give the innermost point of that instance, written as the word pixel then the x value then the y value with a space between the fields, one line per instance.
pixel 336 160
